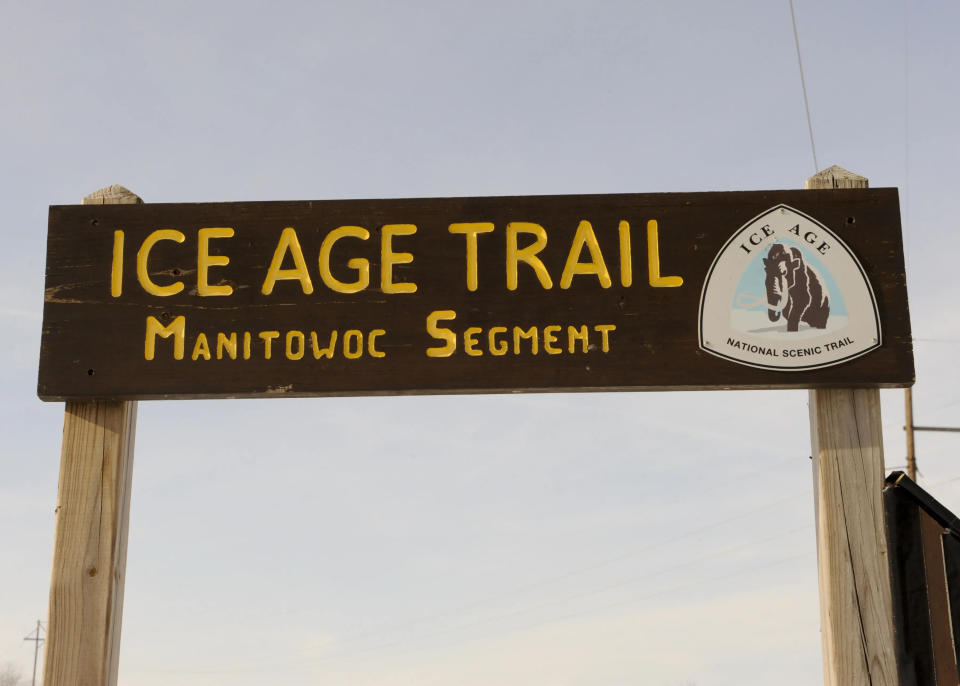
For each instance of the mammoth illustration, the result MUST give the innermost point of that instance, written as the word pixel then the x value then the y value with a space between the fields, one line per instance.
pixel 795 289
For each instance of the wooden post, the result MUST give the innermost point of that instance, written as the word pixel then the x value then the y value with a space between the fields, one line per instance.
pixel 90 540
pixel 856 609
pixel 908 428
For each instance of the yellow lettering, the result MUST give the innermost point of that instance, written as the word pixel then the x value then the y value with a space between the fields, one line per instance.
pixel 177 329
pixel 246 345
pixel 549 338
pixel 531 333
pixel 528 254
pixel 441 333
pixel 295 345
pixel 205 260
pixel 596 265
pixel 626 256
pixel 497 347
pixel 288 242
pixel 470 341
pixel 228 344
pixel 360 264
pixel 371 345
pixel 604 330
pixel 268 337
pixel 319 352
pixel 116 269
pixel 471 230
pixel 388 258
pixel 653 260
pixel 574 334
pixel 355 349
pixel 201 348
pixel 143 274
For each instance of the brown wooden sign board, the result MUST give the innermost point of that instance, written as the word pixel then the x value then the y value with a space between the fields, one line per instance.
pixel 465 295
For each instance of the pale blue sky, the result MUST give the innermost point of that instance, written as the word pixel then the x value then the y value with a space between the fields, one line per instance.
pixel 662 539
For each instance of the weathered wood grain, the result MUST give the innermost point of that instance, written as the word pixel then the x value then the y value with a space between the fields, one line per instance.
pixel 90 539
pixel 856 608
pixel 93 342
pixel 938 598
pixel 90 544
pixel 113 195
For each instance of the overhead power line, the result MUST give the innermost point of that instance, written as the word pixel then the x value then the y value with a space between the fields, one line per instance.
pixel 803 87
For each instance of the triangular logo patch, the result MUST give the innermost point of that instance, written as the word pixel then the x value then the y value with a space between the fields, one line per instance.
pixel 786 293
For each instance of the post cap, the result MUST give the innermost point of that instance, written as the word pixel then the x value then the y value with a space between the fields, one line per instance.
pixel 113 195
pixel 836 177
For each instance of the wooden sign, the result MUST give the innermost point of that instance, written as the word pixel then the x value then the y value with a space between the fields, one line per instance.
pixel 765 289
pixel 923 538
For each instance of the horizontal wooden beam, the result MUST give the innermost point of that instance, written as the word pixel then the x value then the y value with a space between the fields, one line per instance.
pixel 634 292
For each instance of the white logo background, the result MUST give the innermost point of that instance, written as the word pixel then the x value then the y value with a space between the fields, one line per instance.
pixel 741 322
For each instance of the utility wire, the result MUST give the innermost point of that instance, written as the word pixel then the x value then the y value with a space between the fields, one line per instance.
pixel 907 225
pixel 803 86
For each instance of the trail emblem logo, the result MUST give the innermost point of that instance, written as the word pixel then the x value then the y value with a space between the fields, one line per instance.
pixel 786 293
